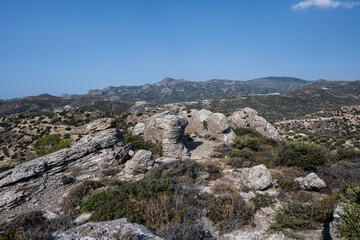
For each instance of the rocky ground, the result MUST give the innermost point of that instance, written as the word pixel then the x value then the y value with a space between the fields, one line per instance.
pixel 216 177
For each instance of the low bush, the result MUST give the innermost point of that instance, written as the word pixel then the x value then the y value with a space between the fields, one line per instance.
pixel 349 224
pixel 4 169
pixel 186 231
pixel 32 225
pixel 154 203
pixel 78 193
pixel 246 131
pixel 229 212
pixel 139 143
pixel 263 200
pixel 50 143
pixel 247 142
pixel 175 169
pixel 297 216
pixel 223 187
pixel 288 184
pixel 297 154
pixel 340 173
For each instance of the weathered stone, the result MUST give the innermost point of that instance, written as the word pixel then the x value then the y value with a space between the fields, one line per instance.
pixel 168 130
pixel 256 178
pixel 311 182
pixel 143 158
pixel 115 229
pixel 213 125
pixel 100 125
pixel 218 123
pixel 248 118
pixel 139 129
pixel 83 218
pixel 38 184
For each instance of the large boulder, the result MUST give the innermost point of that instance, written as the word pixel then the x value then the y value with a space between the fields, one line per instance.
pixel 256 178
pixel 248 117
pixel 204 123
pixel 115 229
pixel 167 129
pixel 142 158
pixel 311 182
pixel 100 125
pixel 139 129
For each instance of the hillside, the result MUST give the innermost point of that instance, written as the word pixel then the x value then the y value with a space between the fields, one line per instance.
pixel 171 90
pixel 317 96
pixel 48 103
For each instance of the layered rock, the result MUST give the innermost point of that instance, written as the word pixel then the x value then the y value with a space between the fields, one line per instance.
pixel 38 184
pixel 311 182
pixel 116 229
pixel 248 117
pixel 204 123
pixel 256 178
pixel 168 130
pixel 100 125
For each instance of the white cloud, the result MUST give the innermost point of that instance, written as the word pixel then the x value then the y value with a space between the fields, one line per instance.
pixel 324 4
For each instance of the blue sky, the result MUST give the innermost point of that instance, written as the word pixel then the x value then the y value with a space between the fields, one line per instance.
pixel 72 46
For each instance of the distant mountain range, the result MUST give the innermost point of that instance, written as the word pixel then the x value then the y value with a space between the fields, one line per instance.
pixel 172 90
pixel 290 96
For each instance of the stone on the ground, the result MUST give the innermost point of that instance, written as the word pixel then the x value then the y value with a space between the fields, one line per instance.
pixel 256 178
pixel 311 182
pixel 143 158
pixel 139 129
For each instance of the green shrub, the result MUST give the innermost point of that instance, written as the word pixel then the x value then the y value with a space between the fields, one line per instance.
pixel 187 168
pixel 263 200
pixel 78 193
pixel 349 224
pixel 306 156
pixel 149 202
pixel 6 151
pixel 4 169
pixel 297 216
pixel 288 184
pixel 50 143
pixel 229 212
pixel 205 125
pixel 344 153
pixel 139 143
pixel 246 131
pixel 247 142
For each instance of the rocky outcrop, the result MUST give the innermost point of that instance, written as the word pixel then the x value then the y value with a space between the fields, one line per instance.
pixel 38 184
pixel 311 182
pixel 168 130
pixel 248 117
pixel 139 129
pixel 100 125
pixel 116 229
pixel 256 178
pixel 204 123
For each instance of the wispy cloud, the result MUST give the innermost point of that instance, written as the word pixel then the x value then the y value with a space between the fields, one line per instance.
pixel 325 4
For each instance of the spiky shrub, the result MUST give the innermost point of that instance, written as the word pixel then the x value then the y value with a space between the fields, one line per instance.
pixel 349 224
